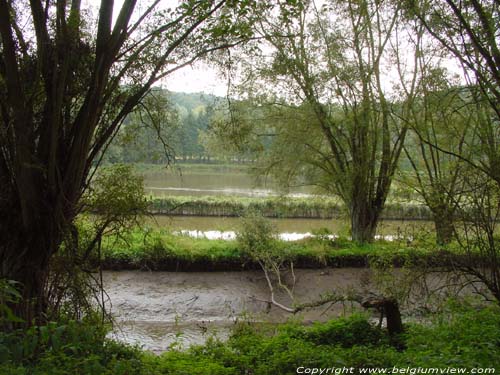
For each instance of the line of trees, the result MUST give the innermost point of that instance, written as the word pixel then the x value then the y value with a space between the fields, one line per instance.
pixel 353 94
pixel 171 125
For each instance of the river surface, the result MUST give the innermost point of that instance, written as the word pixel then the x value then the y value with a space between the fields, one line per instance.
pixel 161 310
pixel 186 182
pixel 200 180
pixel 289 229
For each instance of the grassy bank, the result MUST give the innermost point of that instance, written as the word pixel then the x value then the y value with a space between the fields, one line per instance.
pixel 161 250
pixel 192 168
pixel 290 207
pixel 276 207
pixel 460 337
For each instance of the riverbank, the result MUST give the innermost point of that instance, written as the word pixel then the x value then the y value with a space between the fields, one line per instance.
pixel 160 250
pixel 311 207
pixel 460 338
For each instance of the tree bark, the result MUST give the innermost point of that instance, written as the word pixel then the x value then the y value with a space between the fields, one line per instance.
pixel 364 220
pixel 25 259
pixel 443 223
pixel 61 103
pixel 389 307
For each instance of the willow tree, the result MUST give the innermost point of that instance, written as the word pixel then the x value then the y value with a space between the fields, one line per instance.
pixel 334 62
pixel 438 177
pixel 468 31
pixel 67 81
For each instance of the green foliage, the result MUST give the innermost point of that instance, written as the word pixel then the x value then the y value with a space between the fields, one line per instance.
pixel 9 294
pixel 169 124
pixel 63 348
pixel 153 249
pixel 283 207
pixel 257 237
pixel 117 204
pixel 345 332
pixel 160 249
pixel 462 336
pixel 181 363
pixel 116 197
pixel 317 207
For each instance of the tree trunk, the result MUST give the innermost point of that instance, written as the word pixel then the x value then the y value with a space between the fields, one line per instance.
pixel 364 220
pixel 25 258
pixel 443 223
pixel 28 263
pixel 389 307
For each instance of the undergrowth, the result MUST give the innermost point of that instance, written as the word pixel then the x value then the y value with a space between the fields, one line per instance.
pixel 461 336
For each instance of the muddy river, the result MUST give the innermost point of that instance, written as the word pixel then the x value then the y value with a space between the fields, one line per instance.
pixel 185 182
pixel 160 310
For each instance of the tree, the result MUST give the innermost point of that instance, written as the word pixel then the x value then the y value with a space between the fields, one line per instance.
pixel 149 134
pixel 436 176
pixel 468 30
pixel 117 204
pixel 332 63
pixel 66 86
pixel 440 114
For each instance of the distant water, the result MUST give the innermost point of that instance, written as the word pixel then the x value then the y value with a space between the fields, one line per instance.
pixel 221 184
pixel 231 235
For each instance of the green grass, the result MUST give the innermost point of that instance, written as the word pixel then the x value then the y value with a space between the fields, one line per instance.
pixel 147 247
pixel 161 250
pixel 193 168
pixel 278 207
pixel 459 337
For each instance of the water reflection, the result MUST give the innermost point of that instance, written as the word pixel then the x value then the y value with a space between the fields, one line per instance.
pixel 231 235
pixel 291 229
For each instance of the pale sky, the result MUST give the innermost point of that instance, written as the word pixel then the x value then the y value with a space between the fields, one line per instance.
pixel 191 79
pixel 200 78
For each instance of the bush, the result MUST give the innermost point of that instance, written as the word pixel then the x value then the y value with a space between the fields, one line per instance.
pixel 461 337
pixel 9 293
pixel 345 332
pixel 257 237
pixel 62 348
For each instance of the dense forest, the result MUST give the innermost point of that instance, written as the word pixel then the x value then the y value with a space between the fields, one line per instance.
pixel 184 122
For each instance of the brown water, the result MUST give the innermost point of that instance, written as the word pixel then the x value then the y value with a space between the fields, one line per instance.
pixel 159 310
pixel 198 180
pixel 175 182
